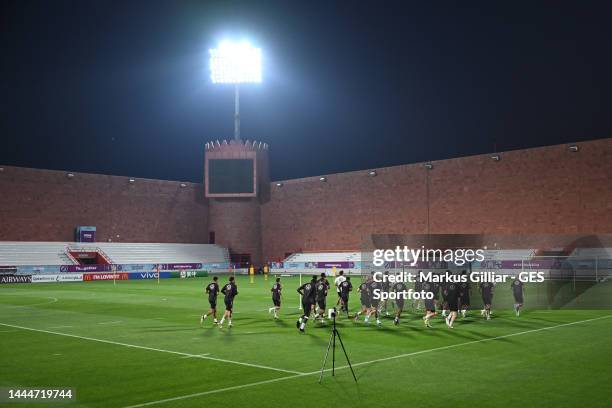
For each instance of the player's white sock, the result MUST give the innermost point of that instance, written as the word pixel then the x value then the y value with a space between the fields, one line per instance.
pixel 229 322
pixel 215 321
pixel 222 320
pixel 463 312
pixel 444 312
pixel 204 317
pixel 378 322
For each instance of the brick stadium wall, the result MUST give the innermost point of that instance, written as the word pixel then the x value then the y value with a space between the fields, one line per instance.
pixel 237 225
pixel 533 191
pixel 45 205
pixel 536 191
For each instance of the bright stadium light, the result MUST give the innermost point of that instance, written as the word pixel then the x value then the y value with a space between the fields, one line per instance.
pixel 235 63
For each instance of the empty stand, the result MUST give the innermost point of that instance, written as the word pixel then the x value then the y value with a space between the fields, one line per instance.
pixel 325 257
pixel 56 253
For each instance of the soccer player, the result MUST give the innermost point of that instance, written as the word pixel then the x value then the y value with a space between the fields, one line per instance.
pixel 276 298
pixel 212 289
pixel 308 292
pixel 486 289
pixel 364 291
pixel 400 289
pixel 386 287
pixel 418 286
pixel 374 301
pixel 436 293
pixel 464 295
pixel 230 290
pixel 444 290
pixel 517 291
pixel 452 296
pixel 345 287
pixel 430 304
pixel 322 287
pixel 337 282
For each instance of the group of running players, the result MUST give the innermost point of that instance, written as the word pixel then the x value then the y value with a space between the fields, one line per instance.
pixel 455 299
pixel 229 291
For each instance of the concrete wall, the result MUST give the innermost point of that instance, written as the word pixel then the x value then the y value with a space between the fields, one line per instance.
pixel 45 205
pixel 542 190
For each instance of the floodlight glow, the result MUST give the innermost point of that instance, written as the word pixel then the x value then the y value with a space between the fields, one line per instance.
pixel 235 63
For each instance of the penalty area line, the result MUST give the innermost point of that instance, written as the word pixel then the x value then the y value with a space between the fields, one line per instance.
pixel 236 387
pixel 200 394
pixel 116 343
pixel 467 343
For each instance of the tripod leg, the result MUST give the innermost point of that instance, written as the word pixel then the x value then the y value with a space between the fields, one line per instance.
pixel 346 355
pixel 334 352
pixel 325 358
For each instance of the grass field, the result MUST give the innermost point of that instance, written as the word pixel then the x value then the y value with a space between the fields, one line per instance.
pixel 140 344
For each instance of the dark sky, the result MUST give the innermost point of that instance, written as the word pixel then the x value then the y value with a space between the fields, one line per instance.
pixel 123 87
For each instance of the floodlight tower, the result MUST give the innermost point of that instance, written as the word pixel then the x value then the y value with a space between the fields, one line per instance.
pixel 236 177
pixel 235 63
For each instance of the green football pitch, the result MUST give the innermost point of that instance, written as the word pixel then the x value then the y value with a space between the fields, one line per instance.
pixel 137 344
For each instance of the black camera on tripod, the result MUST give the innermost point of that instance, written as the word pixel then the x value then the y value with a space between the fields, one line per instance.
pixel 332 345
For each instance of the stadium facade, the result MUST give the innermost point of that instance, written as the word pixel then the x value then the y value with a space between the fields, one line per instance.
pixel 545 190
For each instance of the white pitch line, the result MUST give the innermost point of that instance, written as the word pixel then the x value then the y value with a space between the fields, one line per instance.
pixel 199 394
pixel 236 387
pixel 53 300
pixel 199 355
pixel 151 349
pixel 116 321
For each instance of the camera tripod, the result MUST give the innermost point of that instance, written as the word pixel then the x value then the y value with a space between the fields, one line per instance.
pixel 332 344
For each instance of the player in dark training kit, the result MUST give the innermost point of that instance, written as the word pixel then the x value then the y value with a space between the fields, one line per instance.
pixel 375 287
pixel 230 290
pixel 430 304
pixel 464 295
pixel 486 289
pixel 364 291
pixel 276 298
pixel 399 288
pixel 517 291
pixel 345 288
pixel 418 286
pixel 452 296
pixel 322 287
pixel 212 290
pixel 308 292
pixel 444 291
pixel 386 287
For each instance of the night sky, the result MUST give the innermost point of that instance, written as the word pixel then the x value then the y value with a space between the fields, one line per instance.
pixel 123 87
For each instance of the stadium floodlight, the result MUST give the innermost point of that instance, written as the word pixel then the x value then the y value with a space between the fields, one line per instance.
pixel 235 63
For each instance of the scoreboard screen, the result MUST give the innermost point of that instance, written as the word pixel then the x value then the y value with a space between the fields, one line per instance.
pixel 229 177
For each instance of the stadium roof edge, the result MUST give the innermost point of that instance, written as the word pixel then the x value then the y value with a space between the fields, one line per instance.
pixel 7 169
pixel 422 164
